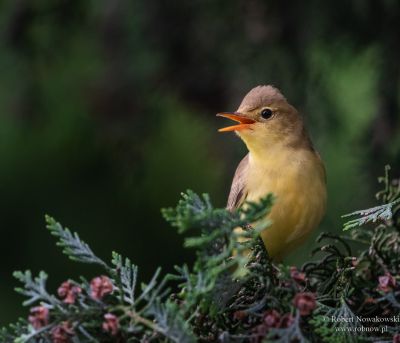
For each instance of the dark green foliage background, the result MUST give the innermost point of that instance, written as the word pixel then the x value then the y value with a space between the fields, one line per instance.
pixel 107 114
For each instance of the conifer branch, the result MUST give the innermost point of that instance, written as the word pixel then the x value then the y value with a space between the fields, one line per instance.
pixel 371 215
pixel 233 292
pixel 76 249
pixel 34 288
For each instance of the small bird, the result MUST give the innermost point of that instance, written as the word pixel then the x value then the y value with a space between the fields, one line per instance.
pixel 281 160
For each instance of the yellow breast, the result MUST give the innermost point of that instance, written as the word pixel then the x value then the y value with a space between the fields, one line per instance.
pixel 297 178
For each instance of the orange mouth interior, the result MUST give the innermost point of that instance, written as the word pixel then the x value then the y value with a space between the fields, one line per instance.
pixel 245 122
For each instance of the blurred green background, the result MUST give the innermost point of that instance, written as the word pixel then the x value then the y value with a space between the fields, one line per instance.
pixel 107 113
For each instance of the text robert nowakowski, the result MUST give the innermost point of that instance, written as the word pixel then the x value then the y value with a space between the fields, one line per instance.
pixel 353 319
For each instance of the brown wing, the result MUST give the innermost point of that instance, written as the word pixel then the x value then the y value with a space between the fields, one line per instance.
pixel 238 191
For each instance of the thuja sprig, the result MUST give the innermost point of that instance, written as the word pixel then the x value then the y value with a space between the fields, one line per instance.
pixel 371 215
pixel 219 246
pixel 109 305
pixel 34 288
pixel 232 293
pixel 292 333
pixel 76 249
pixel 389 196
pixel 391 188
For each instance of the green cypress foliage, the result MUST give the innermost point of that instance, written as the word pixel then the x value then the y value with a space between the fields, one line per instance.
pixel 348 292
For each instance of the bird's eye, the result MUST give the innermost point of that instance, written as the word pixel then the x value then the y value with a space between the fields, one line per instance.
pixel 266 113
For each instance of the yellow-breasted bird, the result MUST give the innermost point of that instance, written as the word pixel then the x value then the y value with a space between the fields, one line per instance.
pixel 281 160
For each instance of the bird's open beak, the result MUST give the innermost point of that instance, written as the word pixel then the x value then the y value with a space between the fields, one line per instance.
pixel 244 121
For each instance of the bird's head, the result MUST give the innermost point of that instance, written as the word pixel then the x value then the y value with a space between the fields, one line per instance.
pixel 265 119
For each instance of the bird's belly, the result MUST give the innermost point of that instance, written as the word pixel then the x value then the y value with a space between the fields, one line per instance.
pixel 298 209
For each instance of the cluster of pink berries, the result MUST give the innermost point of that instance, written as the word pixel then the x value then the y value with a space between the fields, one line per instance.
pixel 272 319
pixel 100 286
pixel 386 283
pixel 305 302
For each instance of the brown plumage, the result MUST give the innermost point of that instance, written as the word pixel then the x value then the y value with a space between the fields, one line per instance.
pixel 281 160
